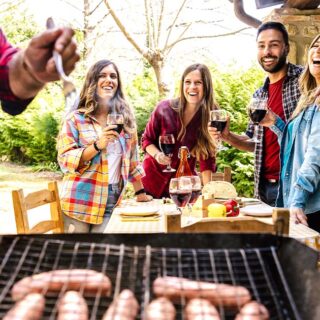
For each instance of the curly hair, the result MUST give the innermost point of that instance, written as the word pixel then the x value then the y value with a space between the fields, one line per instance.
pixel 89 100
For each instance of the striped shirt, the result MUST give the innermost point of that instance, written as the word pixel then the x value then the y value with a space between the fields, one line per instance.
pixel 84 192
pixel 290 97
pixel 9 102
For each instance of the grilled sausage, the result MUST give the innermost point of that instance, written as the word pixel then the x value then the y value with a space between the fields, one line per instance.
pixel 90 281
pixel 227 295
pixel 160 309
pixel 201 309
pixel 72 306
pixel 29 308
pixel 253 311
pixel 123 307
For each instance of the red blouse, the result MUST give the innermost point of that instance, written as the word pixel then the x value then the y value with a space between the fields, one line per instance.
pixel 165 120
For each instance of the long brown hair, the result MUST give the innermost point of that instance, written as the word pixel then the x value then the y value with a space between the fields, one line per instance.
pixel 307 85
pixel 88 96
pixel 204 147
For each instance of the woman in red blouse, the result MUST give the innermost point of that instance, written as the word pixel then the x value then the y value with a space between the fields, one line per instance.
pixel 186 117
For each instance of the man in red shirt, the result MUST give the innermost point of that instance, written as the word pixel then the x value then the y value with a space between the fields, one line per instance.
pixel 281 88
pixel 23 73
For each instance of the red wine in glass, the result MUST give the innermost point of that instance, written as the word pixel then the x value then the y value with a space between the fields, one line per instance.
pixel 218 124
pixel 257 111
pixel 257 115
pixel 194 195
pixel 166 144
pixel 115 119
pixel 218 120
pixel 180 198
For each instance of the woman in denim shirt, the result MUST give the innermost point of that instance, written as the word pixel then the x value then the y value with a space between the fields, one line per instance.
pixel 299 187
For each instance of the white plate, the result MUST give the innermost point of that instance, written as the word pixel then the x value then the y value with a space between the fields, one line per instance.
pixel 138 211
pixel 258 210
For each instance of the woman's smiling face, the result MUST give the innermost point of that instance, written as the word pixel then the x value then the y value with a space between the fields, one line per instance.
pixel 107 82
pixel 193 87
pixel 314 60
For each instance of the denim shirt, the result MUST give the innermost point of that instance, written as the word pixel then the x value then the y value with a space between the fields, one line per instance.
pixel 299 184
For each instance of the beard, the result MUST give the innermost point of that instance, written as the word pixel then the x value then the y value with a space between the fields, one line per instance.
pixel 279 65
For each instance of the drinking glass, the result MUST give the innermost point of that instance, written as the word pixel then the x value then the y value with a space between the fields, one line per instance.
pixel 115 119
pixel 257 109
pixel 180 190
pixel 196 189
pixel 218 120
pixel 166 144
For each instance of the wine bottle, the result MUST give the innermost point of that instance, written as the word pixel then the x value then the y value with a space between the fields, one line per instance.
pixel 183 169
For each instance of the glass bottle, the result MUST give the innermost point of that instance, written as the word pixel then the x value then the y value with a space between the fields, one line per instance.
pixel 183 169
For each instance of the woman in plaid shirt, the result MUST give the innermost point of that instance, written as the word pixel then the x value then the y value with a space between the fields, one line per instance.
pixel 96 160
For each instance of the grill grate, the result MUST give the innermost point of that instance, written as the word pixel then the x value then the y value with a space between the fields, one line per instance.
pixel 134 267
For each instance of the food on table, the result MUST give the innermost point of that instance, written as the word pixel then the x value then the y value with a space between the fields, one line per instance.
pixel 219 190
pixel 202 203
pixel 201 309
pixel 217 210
pixel 72 306
pixel 233 208
pixel 31 307
pixel 90 282
pixel 217 293
pixel 253 311
pixel 124 307
pixel 160 309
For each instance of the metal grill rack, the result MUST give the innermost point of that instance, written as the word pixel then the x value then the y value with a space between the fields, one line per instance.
pixel 136 267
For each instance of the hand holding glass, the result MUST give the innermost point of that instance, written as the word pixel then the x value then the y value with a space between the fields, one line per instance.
pixel 115 119
pixel 166 144
pixel 257 109
pixel 218 120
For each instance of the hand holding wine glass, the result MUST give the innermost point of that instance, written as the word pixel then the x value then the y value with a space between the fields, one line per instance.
pixel 166 144
pixel 257 110
pixel 218 120
pixel 115 119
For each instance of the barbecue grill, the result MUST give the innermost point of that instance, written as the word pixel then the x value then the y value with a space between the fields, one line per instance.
pixel 279 272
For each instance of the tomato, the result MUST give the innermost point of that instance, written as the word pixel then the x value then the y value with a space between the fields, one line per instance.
pixel 232 207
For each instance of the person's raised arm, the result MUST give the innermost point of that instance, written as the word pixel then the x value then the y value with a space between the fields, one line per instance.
pixel 241 142
pixel 31 68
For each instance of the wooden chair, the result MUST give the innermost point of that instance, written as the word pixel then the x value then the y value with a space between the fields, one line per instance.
pixel 22 204
pixel 222 176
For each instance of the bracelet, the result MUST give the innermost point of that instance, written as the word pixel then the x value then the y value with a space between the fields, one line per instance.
pixel 96 147
pixel 140 191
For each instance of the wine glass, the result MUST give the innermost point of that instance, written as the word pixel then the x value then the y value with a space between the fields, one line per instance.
pixel 257 110
pixel 115 119
pixel 166 144
pixel 196 192
pixel 218 120
pixel 196 189
pixel 180 190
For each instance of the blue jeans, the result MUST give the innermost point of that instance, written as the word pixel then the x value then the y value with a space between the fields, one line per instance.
pixel 75 226
pixel 268 192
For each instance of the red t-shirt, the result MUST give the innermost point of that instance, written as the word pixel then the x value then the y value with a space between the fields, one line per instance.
pixel 271 149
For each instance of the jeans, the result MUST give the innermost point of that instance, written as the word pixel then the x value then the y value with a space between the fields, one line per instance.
pixel 75 226
pixel 268 192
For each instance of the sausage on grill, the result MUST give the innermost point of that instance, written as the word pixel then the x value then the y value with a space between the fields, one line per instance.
pixel 72 306
pixel 201 309
pixel 160 309
pixel 90 282
pixel 31 307
pixel 124 307
pixel 175 288
pixel 253 311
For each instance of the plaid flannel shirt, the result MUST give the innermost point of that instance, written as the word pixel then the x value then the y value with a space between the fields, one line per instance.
pixel 84 192
pixel 9 102
pixel 290 97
